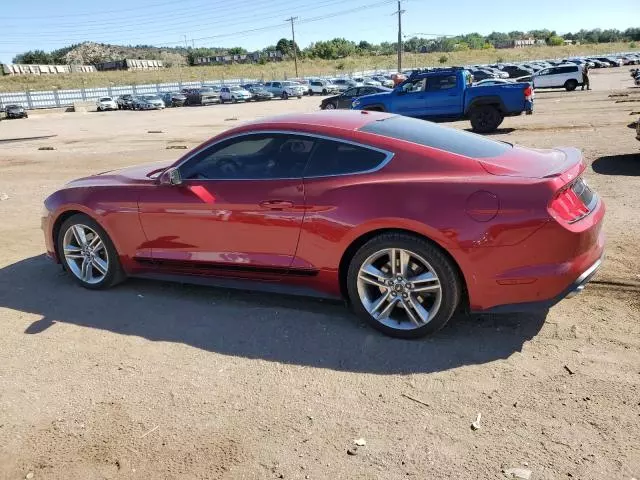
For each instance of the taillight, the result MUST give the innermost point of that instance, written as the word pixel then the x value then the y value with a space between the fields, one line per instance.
pixel 528 92
pixel 573 202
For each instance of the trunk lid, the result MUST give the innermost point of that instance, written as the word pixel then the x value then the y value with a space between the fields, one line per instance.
pixel 534 163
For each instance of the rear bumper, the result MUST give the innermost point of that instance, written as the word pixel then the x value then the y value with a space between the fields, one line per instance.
pixel 576 287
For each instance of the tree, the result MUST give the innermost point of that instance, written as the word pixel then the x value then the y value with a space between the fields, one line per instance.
pixel 365 46
pixel 555 40
pixel 286 46
pixel 33 57
pixel 237 51
pixel 497 38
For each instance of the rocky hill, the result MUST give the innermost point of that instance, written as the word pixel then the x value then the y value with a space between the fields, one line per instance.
pixel 89 53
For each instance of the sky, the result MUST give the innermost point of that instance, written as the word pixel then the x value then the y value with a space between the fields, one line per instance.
pixel 255 24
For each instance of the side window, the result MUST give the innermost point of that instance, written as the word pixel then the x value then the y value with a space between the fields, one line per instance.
pixel 441 82
pixel 414 86
pixel 268 84
pixel 333 157
pixel 367 90
pixel 352 92
pixel 251 157
pixel 276 84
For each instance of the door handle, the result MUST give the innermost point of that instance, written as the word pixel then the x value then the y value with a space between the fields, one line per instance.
pixel 276 204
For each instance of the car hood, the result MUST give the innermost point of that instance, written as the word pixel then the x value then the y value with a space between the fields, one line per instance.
pixel 136 174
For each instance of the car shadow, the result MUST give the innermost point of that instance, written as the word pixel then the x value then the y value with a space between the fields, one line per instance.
pixel 499 131
pixel 626 165
pixel 278 328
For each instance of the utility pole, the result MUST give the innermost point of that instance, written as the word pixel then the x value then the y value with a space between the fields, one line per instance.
pixel 186 45
pixel 293 36
pixel 399 12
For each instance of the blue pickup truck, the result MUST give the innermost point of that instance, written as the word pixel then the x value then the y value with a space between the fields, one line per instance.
pixel 449 95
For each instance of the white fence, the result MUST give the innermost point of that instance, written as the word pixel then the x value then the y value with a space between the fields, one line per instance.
pixel 66 98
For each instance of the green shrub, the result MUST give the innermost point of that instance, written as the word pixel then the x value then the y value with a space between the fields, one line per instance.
pixel 443 59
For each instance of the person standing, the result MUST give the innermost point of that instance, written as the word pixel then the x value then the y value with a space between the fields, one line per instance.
pixel 585 76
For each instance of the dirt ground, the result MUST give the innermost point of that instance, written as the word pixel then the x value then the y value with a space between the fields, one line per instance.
pixel 165 381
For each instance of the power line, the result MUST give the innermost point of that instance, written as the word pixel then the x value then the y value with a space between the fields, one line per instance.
pixel 87 14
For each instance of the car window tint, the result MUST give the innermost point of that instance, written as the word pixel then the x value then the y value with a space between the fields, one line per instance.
pixel 367 90
pixel 337 158
pixel 352 92
pixel 436 136
pixel 441 82
pixel 252 157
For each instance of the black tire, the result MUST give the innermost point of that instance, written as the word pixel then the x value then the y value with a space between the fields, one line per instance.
pixel 571 85
pixel 485 118
pixel 330 106
pixel 114 274
pixel 324 91
pixel 299 97
pixel 310 93
pixel 285 96
pixel 451 286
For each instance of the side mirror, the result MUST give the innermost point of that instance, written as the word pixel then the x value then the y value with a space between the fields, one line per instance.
pixel 171 176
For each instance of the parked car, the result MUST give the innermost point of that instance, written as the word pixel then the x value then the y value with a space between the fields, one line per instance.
pixel 449 95
pixel 148 102
pixel 258 92
pixel 173 99
pixel 481 74
pixel 206 95
pixel 384 81
pixel 598 64
pixel 344 84
pixel 106 103
pixel 125 102
pixel 15 111
pixel 346 98
pixel 234 94
pixel 285 89
pixel 613 62
pixel 516 70
pixel 567 76
pixel 404 270
pixel 322 87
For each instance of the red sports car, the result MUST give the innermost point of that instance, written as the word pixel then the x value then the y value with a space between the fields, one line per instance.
pixel 405 219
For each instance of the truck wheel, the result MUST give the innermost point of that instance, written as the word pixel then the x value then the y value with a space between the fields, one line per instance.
pixel 485 118
pixel 570 85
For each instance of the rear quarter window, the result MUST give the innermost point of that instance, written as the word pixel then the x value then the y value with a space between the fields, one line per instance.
pixel 432 135
pixel 337 158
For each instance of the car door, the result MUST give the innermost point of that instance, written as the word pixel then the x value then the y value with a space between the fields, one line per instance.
pixel 237 211
pixel 443 96
pixel 543 78
pixel 409 98
pixel 345 99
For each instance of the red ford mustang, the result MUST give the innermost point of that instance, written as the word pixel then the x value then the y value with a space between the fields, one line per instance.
pixel 405 219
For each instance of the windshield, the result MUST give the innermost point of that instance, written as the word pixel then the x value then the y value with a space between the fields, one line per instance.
pixel 235 89
pixel 105 99
pixel 151 97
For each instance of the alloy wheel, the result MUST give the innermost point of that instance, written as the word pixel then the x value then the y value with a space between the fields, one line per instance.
pixel 399 289
pixel 85 253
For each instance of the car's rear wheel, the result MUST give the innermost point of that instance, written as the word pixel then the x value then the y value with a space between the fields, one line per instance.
pixel 310 93
pixel 330 106
pixel 403 285
pixel 485 118
pixel 570 85
pixel 324 91
pixel 87 252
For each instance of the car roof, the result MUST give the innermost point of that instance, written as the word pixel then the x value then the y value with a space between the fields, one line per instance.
pixel 330 119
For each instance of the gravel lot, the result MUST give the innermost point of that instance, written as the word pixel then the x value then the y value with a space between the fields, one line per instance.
pixel 165 381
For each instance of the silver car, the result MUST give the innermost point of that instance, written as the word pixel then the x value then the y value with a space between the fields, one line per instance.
pixel 285 89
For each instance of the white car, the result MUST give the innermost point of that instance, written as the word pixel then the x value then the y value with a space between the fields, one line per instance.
pixel 322 87
pixel 567 76
pixel 234 94
pixel 386 82
pixel 344 84
pixel 106 103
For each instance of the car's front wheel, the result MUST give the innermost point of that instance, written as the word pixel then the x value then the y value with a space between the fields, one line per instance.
pixel 330 106
pixel 403 285
pixel 285 96
pixel 87 252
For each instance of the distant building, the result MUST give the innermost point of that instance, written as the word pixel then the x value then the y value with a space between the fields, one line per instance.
pixel 20 69
pixel 254 57
pixel 524 42
pixel 130 64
